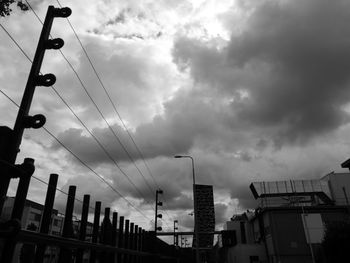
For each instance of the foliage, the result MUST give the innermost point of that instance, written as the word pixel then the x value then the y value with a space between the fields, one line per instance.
pixel 5 9
pixel 336 242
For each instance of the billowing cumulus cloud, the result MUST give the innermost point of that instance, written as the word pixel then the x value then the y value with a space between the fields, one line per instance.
pixel 253 90
pixel 286 71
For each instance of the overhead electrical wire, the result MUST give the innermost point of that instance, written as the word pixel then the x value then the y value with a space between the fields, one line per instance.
pixel 59 190
pixel 82 162
pixel 116 111
pixel 63 145
pixel 111 101
pixel 114 107
pixel 97 108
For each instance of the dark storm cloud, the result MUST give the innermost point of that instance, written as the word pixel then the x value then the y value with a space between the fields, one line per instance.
pixel 283 78
pixel 184 120
pixel 291 58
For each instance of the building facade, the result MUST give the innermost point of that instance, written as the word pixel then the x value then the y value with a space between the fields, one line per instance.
pixel 290 222
pixel 31 220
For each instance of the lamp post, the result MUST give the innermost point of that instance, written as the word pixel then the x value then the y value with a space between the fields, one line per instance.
pixel 159 191
pixel 194 205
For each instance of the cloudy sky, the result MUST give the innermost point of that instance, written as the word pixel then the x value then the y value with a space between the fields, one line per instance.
pixel 252 90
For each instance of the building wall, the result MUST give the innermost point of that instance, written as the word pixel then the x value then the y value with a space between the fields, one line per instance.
pixel 290 234
pixel 287 237
pixel 244 230
pixel 338 181
pixel 245 253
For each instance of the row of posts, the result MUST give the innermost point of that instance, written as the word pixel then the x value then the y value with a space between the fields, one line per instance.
pixel 128 236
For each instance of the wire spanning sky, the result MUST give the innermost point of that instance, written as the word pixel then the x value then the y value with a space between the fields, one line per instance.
pixel 252 90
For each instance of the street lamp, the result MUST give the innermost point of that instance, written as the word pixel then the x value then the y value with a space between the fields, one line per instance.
pixel 194 205
pixel 158 203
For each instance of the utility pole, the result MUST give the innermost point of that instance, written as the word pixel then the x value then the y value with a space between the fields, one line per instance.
pixel 158 203
pixel 175 236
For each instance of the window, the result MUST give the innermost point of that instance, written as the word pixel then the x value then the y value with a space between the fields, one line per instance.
pixel 57 222
pixel 34 216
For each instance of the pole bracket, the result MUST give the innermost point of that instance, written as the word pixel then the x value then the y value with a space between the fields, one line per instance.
pixel 62 12
pixel 37 121
pixel 46 80
pixel 55 43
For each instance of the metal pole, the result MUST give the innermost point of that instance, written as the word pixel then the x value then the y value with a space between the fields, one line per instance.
pixel 195 211
pixel 68 232
pixel 120 238
pixel 23 120
pixel 18 207
pixel 83 226
pixel 126 240
pixel 156 215
pixel 95 230
pixel 174 234
pixel 45 222
pixel 194 205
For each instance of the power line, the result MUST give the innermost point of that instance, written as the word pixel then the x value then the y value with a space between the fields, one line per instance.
pixel 52 135
pixel 111 101
pixel 116 111
pixel 114 107
pixel 61 191
pixel 82 162
pixel 97 108
pixel 118 114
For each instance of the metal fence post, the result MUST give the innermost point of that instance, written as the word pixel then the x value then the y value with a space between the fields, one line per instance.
pixel 136 232
pixel 114 234
pixel 139 244
pixel 23 120
pixel 126 239
pixel 47 213
pixel 66 254
pixel 83 226
pixel 106 235
pixel 95 230
pixel 131 242
pixel 120 256
pixel 21 195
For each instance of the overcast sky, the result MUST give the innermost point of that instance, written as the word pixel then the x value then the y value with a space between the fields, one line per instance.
pixel 252 90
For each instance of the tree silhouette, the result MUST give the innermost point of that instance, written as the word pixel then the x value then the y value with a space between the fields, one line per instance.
pixel 336 242
pixel 5 9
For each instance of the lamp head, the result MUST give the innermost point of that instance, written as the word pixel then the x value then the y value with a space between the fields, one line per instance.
pixel 178 156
